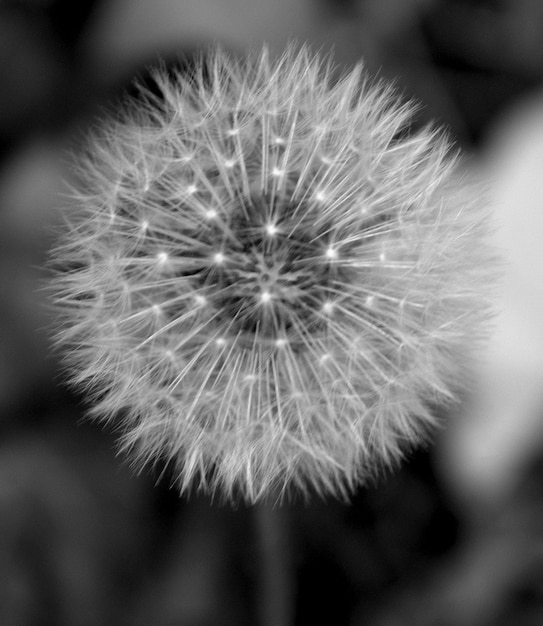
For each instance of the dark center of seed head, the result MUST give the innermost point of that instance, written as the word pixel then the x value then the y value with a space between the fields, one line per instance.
pixel 274 277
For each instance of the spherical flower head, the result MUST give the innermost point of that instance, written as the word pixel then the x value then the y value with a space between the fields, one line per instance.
pixel 267 280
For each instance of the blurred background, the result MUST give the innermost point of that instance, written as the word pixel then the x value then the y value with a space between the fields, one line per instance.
pixel 454 537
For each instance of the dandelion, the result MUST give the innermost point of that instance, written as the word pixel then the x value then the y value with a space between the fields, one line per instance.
pixel 266 280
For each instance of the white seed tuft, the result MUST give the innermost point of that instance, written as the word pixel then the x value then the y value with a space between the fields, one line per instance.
pixel 331 253
pixel 337 311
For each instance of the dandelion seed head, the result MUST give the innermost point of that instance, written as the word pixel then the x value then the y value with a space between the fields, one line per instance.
pixel 314 302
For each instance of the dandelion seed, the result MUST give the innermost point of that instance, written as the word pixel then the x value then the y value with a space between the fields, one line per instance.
pixel 285 374
pixel 162 258
pixel 331 253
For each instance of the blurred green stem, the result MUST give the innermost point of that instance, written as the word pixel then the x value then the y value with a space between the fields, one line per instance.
pixel 276 580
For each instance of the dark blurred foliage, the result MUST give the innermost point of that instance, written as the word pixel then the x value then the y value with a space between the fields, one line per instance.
pixel 37 68
pixel 488 52
pixel 85 541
